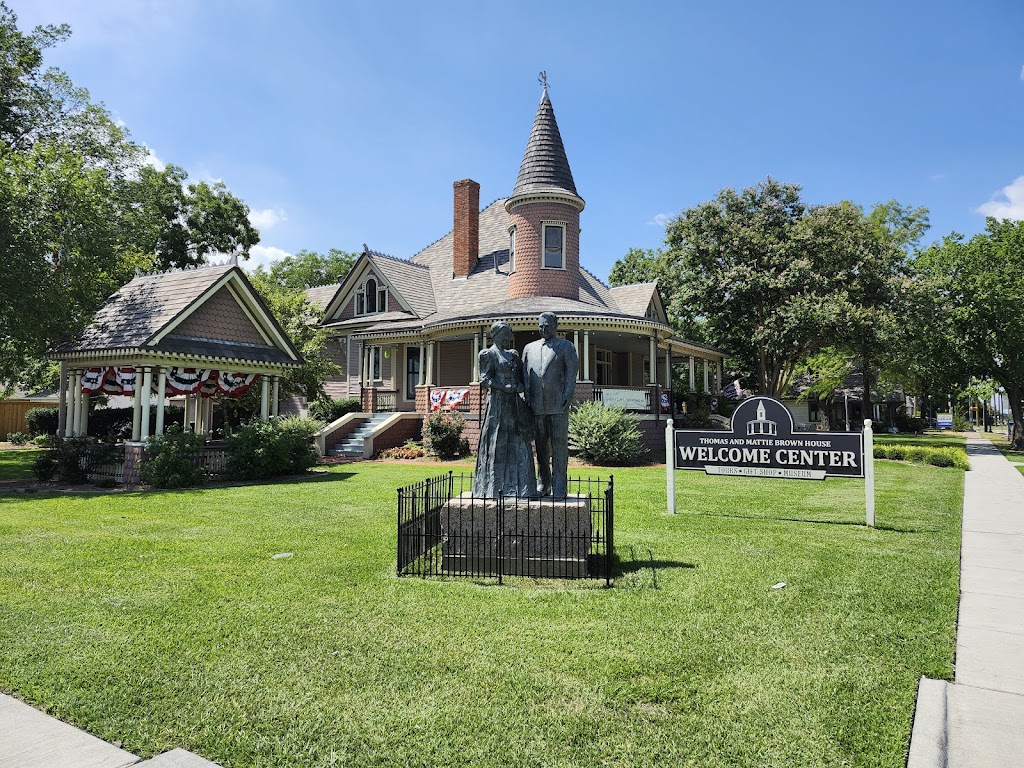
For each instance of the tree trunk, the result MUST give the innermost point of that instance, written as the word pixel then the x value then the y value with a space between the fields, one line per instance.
pixel 1013 394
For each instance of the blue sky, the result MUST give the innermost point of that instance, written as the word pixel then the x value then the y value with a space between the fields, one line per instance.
pixel 342 123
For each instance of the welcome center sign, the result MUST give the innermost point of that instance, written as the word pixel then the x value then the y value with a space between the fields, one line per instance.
pixel 761 442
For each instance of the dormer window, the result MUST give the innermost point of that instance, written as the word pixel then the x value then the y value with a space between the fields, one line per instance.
pixel 554 246
pixel 371 298
pixel 512 250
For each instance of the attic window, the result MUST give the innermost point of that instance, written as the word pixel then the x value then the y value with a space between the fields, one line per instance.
pixel 554 246
pixel 371 298
pixel 652 311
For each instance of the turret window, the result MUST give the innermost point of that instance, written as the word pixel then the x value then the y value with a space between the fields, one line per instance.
pixel 554 246
pixel 512 250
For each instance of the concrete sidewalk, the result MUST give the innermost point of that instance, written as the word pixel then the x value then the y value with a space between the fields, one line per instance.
pixel 30 739
pixel 978 720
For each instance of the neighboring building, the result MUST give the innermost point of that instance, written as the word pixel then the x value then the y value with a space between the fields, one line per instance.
pixel 406 332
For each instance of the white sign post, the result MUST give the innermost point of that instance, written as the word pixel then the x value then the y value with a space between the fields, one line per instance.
pixel 670 464
pixel 869 472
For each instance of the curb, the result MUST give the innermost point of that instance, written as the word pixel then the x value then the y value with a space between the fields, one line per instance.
pixel 929 740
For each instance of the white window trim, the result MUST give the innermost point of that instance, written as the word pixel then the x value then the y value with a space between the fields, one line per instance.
pixel 564 225
pixel 511 250
pixel 360 297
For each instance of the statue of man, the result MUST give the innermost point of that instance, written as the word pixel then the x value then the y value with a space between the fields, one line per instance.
pixel 549 368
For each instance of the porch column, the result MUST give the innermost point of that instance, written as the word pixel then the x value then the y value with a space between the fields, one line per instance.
pixel 84 414
pixel 718 376
pixel 430 363
pixel 137 406
pixel 72 405
pixel 693 374
pixel 62 401
pixel 422 375
pixel 184 418
pixel 653 367
pixel 576 344
pixel 475 366
pixel 668 368
pixel 264 398
pixel 706 376
pixel 161 396
pixel 147 385
pixel 586 354
pixel 275 396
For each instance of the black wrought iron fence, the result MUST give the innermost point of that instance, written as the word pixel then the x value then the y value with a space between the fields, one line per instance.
pixel 444 530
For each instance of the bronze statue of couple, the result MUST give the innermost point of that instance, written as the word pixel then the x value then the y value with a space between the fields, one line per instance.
pixel 529 402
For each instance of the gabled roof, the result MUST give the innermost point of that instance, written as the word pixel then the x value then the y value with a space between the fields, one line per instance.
pixel 320 296
pixel 144 314
pixel 635 299
pixel 545 167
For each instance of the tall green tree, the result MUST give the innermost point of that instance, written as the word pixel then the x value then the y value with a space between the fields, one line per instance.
pixel 80 210
pixel 982 280
pixel 309 269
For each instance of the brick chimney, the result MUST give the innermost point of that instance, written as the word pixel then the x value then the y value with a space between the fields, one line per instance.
pixel 466 231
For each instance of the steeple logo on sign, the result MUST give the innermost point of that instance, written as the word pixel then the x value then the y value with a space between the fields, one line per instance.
pixel 761 425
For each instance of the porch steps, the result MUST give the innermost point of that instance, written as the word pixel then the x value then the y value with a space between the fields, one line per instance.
pixel 353 444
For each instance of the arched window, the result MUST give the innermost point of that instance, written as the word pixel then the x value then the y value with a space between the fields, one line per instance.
pixel 371 296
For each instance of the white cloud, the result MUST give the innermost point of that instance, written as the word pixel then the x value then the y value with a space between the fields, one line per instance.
pixel 265 255
pixel 153 160
pixel 1012 204
pixel 661 220
pixel 267 218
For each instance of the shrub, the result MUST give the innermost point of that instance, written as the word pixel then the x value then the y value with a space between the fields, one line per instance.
pixel 45 441
pixel 172 459
pixel 72 459
pixel 960 422
pixel 411 450
pixel 41 421
pixel 332 410
pixel 604 435
pixel 260 449
pixel 442 435
pixel 17 438
pixel 923 454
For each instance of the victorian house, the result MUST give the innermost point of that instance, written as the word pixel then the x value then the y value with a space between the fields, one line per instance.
pixel 407 332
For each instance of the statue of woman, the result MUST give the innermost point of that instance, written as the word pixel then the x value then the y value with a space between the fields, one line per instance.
pixel 504 459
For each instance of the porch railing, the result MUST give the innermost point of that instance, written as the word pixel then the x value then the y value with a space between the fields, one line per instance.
pixel 386 401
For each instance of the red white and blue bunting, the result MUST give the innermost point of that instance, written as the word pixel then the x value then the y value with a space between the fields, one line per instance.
pixel 235 384
pixel 203 382
pixel 447 398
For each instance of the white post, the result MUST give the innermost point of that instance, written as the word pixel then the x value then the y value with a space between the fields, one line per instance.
pixel 718 377
pixel 76 390
pixel 652 369
pixel 670 464
pixel 576 344
pixel 264 398
pixel 147 386
pixel 137 406
pixel 707 388
pixel 276 395
pixel 475 367
pixel 668 368
pixel 693 374
pixel 184 418
pixel 586 355
pixel 423 365
pixel 62 401
pixel 430 363
pixel 161 397
pixel 869 472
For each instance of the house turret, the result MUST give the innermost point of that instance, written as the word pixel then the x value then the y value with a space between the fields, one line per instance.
pixel 544 212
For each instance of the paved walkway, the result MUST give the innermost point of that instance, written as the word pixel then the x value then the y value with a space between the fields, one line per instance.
pixel 30 739
pixel 978 720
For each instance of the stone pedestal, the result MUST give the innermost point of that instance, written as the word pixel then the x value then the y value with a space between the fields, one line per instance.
pixel 538 537
pixel 134 453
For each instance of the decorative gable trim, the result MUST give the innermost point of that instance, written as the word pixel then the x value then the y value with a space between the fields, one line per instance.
pixel 356 277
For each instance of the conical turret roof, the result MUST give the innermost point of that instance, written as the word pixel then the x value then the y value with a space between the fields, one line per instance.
pixel 545 167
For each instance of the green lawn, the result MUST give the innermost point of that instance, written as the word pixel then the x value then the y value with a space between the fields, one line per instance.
pixel 999 441
pixel 933 439
pixel 160 619
pixel 16 463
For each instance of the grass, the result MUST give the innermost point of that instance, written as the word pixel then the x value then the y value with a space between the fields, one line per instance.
pixel 16 463
pixel 160 619
pixel 933 439
pixel 999 441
